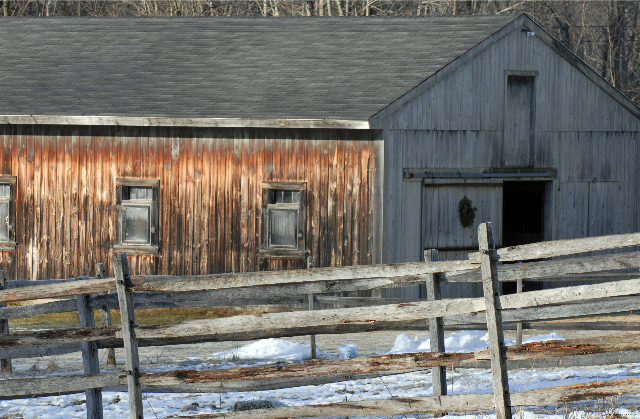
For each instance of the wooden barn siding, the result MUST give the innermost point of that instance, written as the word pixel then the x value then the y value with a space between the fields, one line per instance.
pixel 458 124
pixel 595 192
pixel 473 96
pixel 210 195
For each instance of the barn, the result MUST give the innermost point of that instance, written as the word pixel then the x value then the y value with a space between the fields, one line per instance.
pixel 211 145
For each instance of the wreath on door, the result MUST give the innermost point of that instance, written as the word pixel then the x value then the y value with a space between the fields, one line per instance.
pixel 467 212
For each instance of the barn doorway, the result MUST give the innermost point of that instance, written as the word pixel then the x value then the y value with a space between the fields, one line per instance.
pixel 522 220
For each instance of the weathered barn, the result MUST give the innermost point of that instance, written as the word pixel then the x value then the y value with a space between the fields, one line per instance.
pixel 209 145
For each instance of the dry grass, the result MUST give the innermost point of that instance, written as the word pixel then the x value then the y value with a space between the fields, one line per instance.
pixel 143 317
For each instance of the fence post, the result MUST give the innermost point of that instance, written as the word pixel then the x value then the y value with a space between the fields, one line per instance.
pixel 490 284
pixel 436 326
pixel 519 324
pixel 312 306
pixel 128 317
pixel 5 364
pixel 106 315
pixel 90 360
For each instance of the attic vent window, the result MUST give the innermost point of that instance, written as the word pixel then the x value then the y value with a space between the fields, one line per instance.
pixel 283 219
pixel 137 203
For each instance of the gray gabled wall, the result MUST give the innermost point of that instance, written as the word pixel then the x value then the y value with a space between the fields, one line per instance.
pixel 584 130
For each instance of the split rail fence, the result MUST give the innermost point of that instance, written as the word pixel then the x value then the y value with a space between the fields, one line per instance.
pixel 493 311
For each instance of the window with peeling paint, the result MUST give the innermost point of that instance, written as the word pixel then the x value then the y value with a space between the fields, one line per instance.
pixel 283 219
pixel 7 212
pixel 137 215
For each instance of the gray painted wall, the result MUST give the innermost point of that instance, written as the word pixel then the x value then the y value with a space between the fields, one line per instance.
pixel 580 130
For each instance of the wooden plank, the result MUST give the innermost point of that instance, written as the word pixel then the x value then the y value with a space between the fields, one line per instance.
pixel 174 180
pixel 36 191
pixel 189 202
pixel 44 386
pixel 273 323
pixel 228 219
pixel 201 282
pixel 314 322
pixel 519 325
pixel 40 351
pixel 236 200
pixel 244 201
pixel 494 321
pixel 597 276
pixel 324 246
pixel 163 146
pixel 84 252
pixel 441 404
pixel 90 361
pixel 205 204
pixel 127 313
pixel 311 372
pixel 5 363
pixel 106 315
pixel 180 122
pixel 18 167
pixel 555 268
pixel 56 336
pixel 347 245
pixel 340 198
pixel 61 289
pixel 563 247
pixel 436 327
pixel 67 205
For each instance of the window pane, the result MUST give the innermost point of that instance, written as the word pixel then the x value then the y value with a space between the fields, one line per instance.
pixel 136 224
pixel 283 226
pixel 281 196
pixel 5 190
pixel 136 192
pixel 4 222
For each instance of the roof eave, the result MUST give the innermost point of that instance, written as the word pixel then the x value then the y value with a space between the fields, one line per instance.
pixel 144 121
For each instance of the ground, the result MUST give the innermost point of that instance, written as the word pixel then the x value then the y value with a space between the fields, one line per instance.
pixel 227 354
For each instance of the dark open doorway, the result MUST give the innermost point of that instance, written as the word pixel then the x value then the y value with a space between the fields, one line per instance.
pixel 522 220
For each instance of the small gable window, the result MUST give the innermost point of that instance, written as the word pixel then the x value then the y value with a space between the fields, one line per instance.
pixel 7 213
pixel 283 219
pixel 137 204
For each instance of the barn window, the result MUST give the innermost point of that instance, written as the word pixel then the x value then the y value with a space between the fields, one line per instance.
pixel 7 213
pixel 283 219
pixel 137 203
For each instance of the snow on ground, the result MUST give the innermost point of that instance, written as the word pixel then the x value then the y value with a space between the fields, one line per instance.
pixel 278 351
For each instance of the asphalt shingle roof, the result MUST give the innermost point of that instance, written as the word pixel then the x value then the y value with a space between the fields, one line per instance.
pixel 298 68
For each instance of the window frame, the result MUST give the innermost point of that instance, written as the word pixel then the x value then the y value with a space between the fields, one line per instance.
pixel 10 243
pixel 148 248
pixel 267 250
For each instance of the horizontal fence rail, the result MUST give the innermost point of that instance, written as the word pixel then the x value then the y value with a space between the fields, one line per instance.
pixel 362 314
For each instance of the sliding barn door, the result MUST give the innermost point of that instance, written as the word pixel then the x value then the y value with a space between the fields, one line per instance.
pixel 442 228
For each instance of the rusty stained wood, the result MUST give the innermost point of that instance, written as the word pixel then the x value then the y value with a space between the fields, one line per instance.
pixel 214 174
pixel 312 372
pixel 441 404
pixel 551 349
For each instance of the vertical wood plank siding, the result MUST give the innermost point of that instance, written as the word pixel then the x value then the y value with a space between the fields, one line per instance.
pixel 458 124
pixel 210 195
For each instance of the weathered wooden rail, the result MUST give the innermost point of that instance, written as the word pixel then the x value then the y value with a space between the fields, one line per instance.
pixel 494 312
